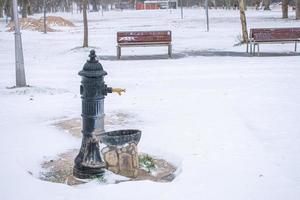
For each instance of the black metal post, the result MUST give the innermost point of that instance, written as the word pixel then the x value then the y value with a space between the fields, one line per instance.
pixel 93 90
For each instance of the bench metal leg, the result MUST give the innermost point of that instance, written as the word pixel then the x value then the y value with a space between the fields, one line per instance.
pixel 295 46
pixel 118 52
pixel 247 50
pixel 170 50
pixel 255 46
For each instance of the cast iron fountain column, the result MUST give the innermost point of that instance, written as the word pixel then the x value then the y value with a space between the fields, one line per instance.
pixel 93 90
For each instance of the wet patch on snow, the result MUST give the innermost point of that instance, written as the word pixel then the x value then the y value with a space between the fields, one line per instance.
pixel 220 53
pixel 60 170
pixel 73 126
pixel 142 57
pixel 196 53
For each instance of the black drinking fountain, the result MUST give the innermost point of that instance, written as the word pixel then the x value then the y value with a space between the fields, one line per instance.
pixel 120 153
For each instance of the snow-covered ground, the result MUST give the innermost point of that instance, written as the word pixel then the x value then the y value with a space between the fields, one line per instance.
pixel 228 121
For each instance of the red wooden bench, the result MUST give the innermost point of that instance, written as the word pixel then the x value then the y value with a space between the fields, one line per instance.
pixel 272 35
pixel 144 39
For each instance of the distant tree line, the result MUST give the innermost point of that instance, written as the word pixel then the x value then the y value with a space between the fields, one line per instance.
pixel 29 7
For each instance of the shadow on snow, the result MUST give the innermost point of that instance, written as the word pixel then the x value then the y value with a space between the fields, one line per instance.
pixel 205 53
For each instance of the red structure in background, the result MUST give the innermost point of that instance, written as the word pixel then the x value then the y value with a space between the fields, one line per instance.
pixel 142 6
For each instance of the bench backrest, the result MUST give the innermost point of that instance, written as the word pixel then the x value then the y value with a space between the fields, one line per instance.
pixel 274 34
pixel 144 37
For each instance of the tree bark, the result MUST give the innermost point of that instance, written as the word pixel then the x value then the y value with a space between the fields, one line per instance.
pixel 29 8
pixel 257 4
pixel 24 8
pixel 285 6
pixel 85 24
pixel 8 10
pixel 243 21
pixel 67 6
pixel 267 5
pixel 45 17
pixel 1 8
pixel 298 9
pixel 94 6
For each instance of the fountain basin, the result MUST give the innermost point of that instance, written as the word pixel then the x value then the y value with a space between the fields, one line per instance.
pixel 121 137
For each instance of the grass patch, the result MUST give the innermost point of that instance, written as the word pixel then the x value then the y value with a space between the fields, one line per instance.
pixel 99 179
pixel 146 162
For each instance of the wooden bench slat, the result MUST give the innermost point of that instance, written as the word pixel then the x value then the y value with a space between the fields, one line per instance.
pixel 143 44
pixel 126 33
pixel 273 35
pixel 144 38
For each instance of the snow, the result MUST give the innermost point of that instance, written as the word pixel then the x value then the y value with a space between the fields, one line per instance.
pixel 229 122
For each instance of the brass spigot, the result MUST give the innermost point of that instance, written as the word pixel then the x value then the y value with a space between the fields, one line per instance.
pixel 118 90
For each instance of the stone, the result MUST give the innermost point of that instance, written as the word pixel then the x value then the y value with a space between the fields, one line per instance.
pixel 122 160
pixel 119 151
pixel 130 148
pixel 135 173
pixel 114 169
pixel 135 160
pixel 111 158
pixel 126 165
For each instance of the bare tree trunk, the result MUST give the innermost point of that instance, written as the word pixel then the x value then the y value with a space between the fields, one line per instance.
pixel 24 8
pixel 297 9
pixel 29 8
pixel 85 24
pixel 257 4
pixel 67 6
pixel 94 6
pixel 243 21
pixel 227 4
pixel 8 10
pixel 80 7
pixel 1 8
pixel 267 4
pixel 285 6
pixel 215 4
pixel 45 18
